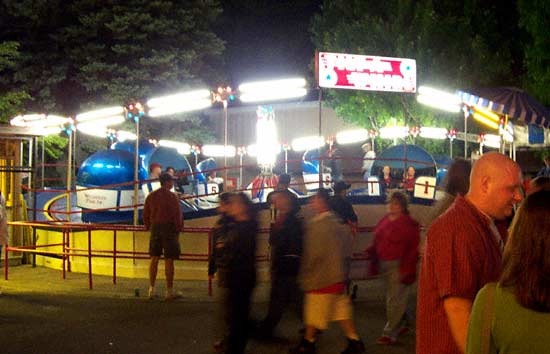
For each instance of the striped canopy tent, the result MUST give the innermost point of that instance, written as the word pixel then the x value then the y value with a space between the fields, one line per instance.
pixel 512 101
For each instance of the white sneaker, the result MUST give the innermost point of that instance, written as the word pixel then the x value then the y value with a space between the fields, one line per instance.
pixel 151 293
pixel 171 295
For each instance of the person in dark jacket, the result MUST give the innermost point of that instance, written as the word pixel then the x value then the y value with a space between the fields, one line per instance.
pixel 235 264
pixel 286 241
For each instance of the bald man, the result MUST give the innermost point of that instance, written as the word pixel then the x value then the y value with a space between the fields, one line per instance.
pixel 463 253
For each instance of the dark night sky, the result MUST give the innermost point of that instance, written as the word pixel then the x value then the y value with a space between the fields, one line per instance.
pixel 267 39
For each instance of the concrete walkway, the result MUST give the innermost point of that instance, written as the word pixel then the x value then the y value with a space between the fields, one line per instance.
pixel 40 313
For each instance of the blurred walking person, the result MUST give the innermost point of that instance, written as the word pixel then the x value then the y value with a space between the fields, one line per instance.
pixel 236 269
pixel 286 241
pixel 219 234
pixel 394 253
pixel 322 278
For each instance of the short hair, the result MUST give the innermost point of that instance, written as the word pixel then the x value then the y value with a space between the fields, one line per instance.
pixel 284 178
pixel 170 168
pixel 540 183
pixel 526 257
pixel 324 195
pixel 457 180
pixel 225 197
pixel 401 199
pixel 164 177
pixel 154 165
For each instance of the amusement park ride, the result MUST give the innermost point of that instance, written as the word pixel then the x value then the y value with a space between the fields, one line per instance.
pixel 111 185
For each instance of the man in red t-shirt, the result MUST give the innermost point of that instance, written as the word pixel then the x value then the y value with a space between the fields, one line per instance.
pixel 463 253
pixel 162 215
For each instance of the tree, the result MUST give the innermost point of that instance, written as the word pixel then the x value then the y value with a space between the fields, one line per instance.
pixel 77 55
pixel 535 20
pixel 455 44
pixel 12 100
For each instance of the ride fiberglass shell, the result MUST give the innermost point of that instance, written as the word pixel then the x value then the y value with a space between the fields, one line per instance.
pixel 400 157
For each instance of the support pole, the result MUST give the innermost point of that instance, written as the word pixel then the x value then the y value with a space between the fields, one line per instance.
pixel 320 134
pixel 69 175
pixel 225 143
pixel 466 134
pixel 136 180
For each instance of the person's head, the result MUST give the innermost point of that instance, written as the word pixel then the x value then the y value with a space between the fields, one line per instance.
pixel 386 171
pixel 225 199
pixel 155 169
pixel 495 185
pixel 320 201
pixel 240 207
pixel 457 180
pixel 526 257
pixel 171 170
pixel 285 203
pixel 546 159
pixel 341 187
pixel 366 147
pixel 410 172
pixel 166 180
pixel 284 181
pixel 398 204
pixel 538 183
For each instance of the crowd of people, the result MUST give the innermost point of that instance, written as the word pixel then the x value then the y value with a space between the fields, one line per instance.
pixel 479 290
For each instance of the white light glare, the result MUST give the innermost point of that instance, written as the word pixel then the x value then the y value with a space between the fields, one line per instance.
pixel 491 140
pixel 40 121
pixel 178 103
pixel 438 99
pixel 218 150
pixel 101 114
pixel 394 132
pixel 352 136
pixel 433 133
pixel 92 130
pixel 267 147
pixel 272 90
pixel 27 120
pixel 182 148
pixel 307 143
pixel 100 123
pixel 122 135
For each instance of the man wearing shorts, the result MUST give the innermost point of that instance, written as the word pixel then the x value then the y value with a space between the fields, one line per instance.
pixel 162 215
pixel 322 278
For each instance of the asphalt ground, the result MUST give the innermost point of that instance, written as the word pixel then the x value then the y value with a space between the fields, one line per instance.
pixel 40 313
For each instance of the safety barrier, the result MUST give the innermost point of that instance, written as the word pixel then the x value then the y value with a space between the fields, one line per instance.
pixel 67 252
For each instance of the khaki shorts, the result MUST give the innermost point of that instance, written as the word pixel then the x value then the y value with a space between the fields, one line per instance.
pixel 164 239
pixel 320 309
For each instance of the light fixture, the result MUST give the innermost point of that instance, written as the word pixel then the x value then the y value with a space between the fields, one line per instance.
pixel 272 90
pixel 103 114
pixel 219 150
pixel 433 133
pixel 352 136
pixel 438 99
pixel 308 143
pixel 394 132
pixel 179 103
pixel 182 148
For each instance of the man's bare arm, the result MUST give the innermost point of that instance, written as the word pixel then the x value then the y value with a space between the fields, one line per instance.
pixel 458 314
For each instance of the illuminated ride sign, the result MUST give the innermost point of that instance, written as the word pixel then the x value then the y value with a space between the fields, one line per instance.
pixel 361 72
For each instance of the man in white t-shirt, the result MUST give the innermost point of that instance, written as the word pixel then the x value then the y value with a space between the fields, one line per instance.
pixel 368 160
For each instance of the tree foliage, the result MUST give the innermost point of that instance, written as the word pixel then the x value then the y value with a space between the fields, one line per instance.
pixel 76 55
pixel 11 101
pixel 455 44
pixel 535 20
